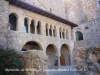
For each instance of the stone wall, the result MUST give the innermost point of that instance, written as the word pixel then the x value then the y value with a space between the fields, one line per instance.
pixel 74 11
pixel 81 11
pixel 17 39
pixel 91 34
pixel 91 9
pixel 34 63
pixel 88 61
pixel 4 7
pixel 25 37
pixel 56 7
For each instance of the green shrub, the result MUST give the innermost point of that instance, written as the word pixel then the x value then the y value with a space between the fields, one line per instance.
pixel 9 59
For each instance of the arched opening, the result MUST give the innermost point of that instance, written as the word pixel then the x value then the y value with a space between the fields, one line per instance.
pixel 60 32
pixel 25 25
pixel 31 46
pixel 62 60
pixel 79 36
pixel 13 22
pixel 50 30
pixel 38 27
pixel 32 27
pixel 54 31
pixel 65 56
pixel 51 53
pixel 63 34
pixel 46 29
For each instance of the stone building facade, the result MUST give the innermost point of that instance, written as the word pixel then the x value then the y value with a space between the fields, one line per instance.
pixel 23 29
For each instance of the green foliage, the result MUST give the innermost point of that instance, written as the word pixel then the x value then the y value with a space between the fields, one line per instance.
pixel 9 59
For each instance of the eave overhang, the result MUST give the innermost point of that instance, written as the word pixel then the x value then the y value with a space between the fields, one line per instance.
pixel 39 11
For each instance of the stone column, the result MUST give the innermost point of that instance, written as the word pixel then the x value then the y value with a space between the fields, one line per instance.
pixel 74 34
pixel 29 22
pixel 35 29
pixel 35 25
pixel 58 61
pixel 55 32
pixel 58 57
pixel 48 30
pixel 20 24
pixel 64 35
pixel 52 32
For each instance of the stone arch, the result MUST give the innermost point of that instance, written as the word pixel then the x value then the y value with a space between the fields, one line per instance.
pixel 32 45
pixel 13 18
pixel 65 55
pixel 51 51
pixel 79 36
pixel 16 15
pixel 39 27
pixel 26 24
pixel 32 26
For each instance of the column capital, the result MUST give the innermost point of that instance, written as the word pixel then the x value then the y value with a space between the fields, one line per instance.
pixel 35 22
pixel 58 53
pixel 48 27
pixel 29 22
pixel 52 27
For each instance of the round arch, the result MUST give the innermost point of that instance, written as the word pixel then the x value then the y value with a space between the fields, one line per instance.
pixel 65 55
pixel 39 27
pixel 65 45
pixel 79 36
pixel 13 17
pixel 51 52
pixel 16 15
pixel 32 26
pixel 32 45
pixel 53 46
pixel 26 20
pixel 34 21
pixel 40 22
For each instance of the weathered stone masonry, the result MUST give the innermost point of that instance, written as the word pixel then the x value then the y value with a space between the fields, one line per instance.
pixel 27 30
